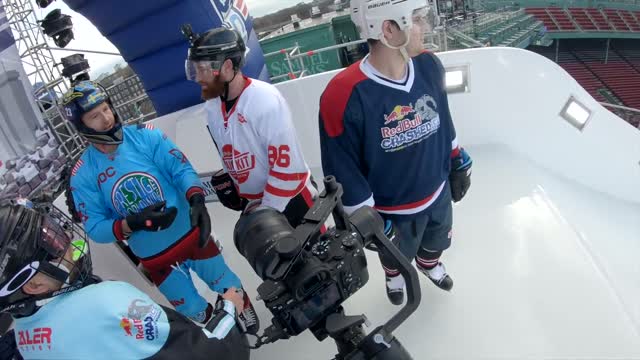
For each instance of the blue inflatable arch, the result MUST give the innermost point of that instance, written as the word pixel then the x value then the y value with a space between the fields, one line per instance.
pixel 147 34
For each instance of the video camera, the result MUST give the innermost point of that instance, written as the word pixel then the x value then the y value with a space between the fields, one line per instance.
pixel 308 274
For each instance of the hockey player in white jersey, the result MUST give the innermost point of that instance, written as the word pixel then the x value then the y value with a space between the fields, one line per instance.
pixel 250 123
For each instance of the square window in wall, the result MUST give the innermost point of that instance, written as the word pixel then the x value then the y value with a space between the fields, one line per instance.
pixel 575 113
pixel 457 79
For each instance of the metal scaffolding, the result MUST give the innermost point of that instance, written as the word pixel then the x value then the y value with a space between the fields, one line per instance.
pixel 40 66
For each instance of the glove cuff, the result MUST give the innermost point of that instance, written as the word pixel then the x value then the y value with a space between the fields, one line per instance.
pixel 462 161
pixel 196 199
pixel 193 193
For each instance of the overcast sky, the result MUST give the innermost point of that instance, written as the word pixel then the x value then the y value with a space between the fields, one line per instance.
pixel 262 7
pixel 87 37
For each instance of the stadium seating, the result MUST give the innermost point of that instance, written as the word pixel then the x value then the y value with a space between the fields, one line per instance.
pixel 583 19
pixel 587 19
pixel 617 81
pixel 505 29
pixel 542 15
pixel 630 53
pixel 618 73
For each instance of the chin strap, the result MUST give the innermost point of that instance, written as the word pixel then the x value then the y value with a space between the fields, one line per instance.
pixel 43 302
pixel 226 86
pixel 402 48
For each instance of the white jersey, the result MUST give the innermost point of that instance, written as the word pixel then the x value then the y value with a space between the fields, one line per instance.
pixel 258 145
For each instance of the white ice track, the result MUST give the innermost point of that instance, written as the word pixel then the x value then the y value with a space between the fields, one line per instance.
pixel 546 244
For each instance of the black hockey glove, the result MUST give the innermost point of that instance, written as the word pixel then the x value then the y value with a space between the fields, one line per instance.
pixel 460 176
pixel 200 218
pixel 226 191
pixel 155 217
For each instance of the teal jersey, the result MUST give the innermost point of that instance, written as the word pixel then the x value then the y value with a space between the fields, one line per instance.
pixel 146 168
pixel 110 320
pixel 115 320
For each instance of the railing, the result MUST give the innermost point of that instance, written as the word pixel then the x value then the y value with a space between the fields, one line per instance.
pixel 468 39
pixel 295 54
pixel 435 41
pixel 475 27
pixel 631 115
pixel 492 4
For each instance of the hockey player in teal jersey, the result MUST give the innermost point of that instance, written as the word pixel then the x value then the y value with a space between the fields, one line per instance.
pixel 132 183
pixel 62 311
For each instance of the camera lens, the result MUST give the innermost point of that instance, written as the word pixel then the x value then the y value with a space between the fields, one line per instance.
pixel 264 237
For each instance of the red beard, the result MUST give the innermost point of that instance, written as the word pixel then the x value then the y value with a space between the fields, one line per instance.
pixel 215 88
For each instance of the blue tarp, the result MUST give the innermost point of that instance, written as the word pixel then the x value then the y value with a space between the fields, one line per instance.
pixel 147 34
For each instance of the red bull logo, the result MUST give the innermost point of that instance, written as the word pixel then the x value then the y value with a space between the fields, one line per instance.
pixel 399 113
pixel 125 324
pixel 140 329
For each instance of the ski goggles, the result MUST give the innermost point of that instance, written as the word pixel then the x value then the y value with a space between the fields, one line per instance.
pixel 55 255
pixel 201 69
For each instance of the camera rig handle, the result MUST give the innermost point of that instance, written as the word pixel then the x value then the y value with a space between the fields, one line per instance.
pixel 369 224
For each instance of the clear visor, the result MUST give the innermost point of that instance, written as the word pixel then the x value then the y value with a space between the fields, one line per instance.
pixel 201 70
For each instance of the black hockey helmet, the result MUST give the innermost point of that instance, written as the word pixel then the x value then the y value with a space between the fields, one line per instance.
pixel 33 242
pixel 213 48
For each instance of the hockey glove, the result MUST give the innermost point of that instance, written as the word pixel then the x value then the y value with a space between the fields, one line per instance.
pixel 227 192
pixel 460 176
pixel 155 217
pixel 200 218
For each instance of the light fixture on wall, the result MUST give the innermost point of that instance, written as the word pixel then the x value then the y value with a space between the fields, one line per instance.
pixel 58 27
pixel 457 79
pixel 575 113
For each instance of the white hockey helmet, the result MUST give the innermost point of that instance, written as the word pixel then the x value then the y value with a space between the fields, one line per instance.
pixel 368 15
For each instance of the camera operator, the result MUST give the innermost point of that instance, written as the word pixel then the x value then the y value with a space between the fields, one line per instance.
pixel 62 311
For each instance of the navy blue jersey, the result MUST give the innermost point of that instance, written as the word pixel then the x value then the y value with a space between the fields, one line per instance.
pixel 389 143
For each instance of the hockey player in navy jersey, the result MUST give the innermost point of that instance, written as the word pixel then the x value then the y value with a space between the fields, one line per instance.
pixel 62 311
pixel 133 184
pixel 250 123
pixel 387 135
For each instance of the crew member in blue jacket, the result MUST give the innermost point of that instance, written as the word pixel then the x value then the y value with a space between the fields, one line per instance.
pixel 62 311
pixel 133 184
pixel 387 135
